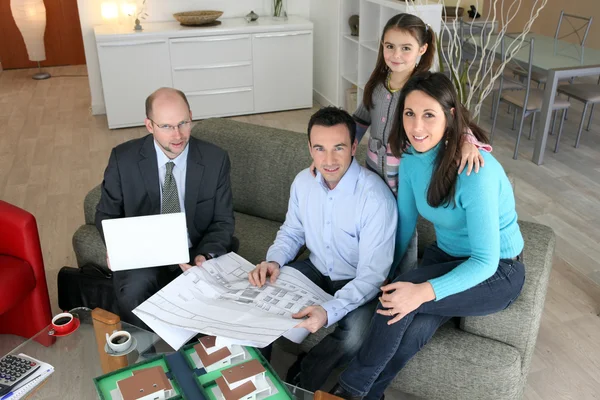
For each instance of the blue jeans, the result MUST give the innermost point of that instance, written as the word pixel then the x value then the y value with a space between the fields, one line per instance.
pixel 340 346
pixel 388 348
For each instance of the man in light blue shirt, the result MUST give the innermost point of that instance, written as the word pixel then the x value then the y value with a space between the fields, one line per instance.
pixel 347 216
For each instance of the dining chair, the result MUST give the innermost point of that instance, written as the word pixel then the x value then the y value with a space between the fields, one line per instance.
pixel 586 93
pixel 576 25
pixel 527 99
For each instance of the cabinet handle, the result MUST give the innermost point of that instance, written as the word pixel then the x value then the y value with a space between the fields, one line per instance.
pixel 123 44
pixel 210 39
pixel 230 65
pixel 269 35
pixel 219 91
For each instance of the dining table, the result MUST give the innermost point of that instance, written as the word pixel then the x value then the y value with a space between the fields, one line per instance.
pixel 559 60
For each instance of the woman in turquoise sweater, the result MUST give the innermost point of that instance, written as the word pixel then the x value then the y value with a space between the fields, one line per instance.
pixel 474 268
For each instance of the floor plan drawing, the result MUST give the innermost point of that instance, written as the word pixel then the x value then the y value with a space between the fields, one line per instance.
pixel 217 299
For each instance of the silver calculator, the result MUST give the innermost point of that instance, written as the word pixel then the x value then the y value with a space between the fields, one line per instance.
pixel 13 370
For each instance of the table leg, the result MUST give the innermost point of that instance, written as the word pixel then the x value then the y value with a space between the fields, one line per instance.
pixel 545 118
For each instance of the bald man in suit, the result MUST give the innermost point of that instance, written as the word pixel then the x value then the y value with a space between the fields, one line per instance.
pixel 168 171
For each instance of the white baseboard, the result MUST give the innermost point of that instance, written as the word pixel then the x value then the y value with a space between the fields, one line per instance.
pixel 322 100
pixel 98 109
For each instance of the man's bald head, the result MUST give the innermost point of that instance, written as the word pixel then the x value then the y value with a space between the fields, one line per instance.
pixel 164 94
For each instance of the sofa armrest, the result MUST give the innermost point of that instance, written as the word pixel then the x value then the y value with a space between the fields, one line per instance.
pixel 90 203
pixel 518 325
pixel 89 247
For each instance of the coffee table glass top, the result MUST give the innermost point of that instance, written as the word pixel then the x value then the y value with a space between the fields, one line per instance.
pixel 77 360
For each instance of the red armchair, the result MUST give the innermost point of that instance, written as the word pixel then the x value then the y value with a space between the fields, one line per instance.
pixel 24 301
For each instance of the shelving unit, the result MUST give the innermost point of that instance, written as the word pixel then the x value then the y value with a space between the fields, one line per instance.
pixel 358 55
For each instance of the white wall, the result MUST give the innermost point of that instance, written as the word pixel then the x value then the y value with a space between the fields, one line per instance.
pixel 162 10
pixel 325 16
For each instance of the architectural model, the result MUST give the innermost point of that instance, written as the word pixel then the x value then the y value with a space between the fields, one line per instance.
pixel 214 355
pixel 144 384
pixel 245 381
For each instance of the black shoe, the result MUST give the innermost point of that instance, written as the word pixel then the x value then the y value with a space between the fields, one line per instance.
pixel 293 375
pixel 339 391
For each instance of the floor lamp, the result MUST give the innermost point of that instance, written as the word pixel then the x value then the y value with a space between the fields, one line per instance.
pixel 30 17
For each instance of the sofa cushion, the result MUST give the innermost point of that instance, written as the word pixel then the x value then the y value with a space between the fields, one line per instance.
pixel 264 163
pixel 256 235
pixel 518 325
pixel 462 366
pixel 16 282
pixel 458 365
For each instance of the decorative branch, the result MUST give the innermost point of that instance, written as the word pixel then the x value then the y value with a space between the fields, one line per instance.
pixel 474 75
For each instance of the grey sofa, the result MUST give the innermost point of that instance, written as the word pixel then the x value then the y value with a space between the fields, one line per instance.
pixel 477 358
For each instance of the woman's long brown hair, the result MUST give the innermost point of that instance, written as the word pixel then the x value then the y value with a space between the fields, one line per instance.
pixel 423 35
pixel 443 180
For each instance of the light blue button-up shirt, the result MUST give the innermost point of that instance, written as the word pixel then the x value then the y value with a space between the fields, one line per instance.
pixel 179 173
pixel 350 232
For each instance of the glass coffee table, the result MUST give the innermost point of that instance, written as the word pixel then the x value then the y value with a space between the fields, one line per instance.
pixel 80 357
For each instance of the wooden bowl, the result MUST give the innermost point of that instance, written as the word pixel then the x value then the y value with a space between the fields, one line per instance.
pixel 195 18
pixel 452 12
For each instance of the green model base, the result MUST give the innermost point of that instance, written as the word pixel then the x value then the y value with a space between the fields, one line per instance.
pixel 206 381
pixel 107 383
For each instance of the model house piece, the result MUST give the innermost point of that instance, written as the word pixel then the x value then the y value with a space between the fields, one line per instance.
pixel 244 382
pixel 215 355
pixel 146 384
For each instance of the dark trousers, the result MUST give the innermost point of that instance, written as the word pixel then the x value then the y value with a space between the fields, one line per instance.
pixel 387 348
pixel 340 346
pixel 133 287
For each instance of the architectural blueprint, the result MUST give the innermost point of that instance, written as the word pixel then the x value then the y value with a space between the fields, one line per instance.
pixel 217 299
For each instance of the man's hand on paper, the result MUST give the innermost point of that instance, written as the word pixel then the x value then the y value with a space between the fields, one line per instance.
pixel 258 276
pixel 317 318
pixel 197 262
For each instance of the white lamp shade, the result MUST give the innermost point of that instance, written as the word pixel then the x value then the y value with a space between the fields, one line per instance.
pixel 30 17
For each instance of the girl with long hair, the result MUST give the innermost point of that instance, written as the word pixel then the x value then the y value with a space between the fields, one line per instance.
pixel 474 269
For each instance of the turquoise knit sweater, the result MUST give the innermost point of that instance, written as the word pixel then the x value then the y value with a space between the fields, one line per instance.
pixel 481 226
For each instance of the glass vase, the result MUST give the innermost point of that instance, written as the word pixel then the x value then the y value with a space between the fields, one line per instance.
pixel 280 9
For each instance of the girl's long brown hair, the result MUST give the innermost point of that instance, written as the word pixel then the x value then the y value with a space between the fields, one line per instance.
pixel 423 35
pixel 443 180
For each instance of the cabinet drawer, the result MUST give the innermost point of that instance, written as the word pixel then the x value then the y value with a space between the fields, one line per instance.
pixel 214 103
pixel 233 75
pixel 210 50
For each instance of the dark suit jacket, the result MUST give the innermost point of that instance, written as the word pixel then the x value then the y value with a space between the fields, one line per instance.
pixel 131 188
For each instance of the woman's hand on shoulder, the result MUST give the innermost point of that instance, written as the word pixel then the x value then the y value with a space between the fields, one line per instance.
pixel 470 157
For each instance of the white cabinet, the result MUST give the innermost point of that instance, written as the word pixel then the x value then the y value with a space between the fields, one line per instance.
pixel 232 69
pixel 282 70
pixel 131 70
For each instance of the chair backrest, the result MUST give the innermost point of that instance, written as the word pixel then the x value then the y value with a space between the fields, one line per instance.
pixel 575 25
pixel 507 48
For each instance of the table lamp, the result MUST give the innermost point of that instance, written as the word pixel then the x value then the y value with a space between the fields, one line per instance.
pixel 30 17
